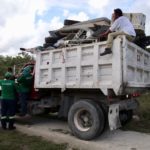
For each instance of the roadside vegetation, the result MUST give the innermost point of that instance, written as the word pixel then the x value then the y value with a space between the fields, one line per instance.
pixel 13 140
pixel 16 62
pixel 142 123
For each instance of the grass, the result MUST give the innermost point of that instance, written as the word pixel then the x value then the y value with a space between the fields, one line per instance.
pixel 13 140
pixel 143 124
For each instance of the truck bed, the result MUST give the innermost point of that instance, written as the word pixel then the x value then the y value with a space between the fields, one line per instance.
pixel 82 67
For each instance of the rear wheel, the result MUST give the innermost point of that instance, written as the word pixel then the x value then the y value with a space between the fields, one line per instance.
pixel 86 119
pixel 125 116
pixel 34 109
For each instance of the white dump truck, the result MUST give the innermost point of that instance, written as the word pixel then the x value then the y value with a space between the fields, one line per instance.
pixel 92 91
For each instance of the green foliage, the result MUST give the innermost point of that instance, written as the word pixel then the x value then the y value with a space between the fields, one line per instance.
pixel 144 110
pixel 17 61
pixel 143 124
pixel 13 140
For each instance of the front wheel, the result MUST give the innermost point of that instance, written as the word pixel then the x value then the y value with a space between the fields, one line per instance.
pixel 86 119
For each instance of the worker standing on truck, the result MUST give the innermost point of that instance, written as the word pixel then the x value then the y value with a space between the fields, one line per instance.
pixel 120 26
pixel 24 88
pixel 8 101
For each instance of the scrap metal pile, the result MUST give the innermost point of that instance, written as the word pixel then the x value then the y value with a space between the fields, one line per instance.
pixel 76 33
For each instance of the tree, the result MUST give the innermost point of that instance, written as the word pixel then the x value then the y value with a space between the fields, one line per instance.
pixel 18 62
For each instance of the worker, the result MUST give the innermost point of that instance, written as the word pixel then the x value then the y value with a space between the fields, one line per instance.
pixel 8 101
pixel 10 71
pixel 120 26
pixel 24 89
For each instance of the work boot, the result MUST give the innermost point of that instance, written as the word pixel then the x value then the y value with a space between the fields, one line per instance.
pixel 107 51
pixel 11 124
pixel 4 124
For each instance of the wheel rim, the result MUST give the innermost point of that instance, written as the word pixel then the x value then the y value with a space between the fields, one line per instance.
pixel 83 120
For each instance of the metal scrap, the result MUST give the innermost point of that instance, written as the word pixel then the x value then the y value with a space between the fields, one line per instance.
pixel 76 33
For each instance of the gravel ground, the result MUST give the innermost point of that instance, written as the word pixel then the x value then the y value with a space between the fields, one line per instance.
pixel 58 131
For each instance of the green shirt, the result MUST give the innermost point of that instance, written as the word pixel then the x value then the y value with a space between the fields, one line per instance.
pixel 8 89
pixel 25 83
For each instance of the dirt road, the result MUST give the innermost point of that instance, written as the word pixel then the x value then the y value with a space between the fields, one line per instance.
pixel 58 131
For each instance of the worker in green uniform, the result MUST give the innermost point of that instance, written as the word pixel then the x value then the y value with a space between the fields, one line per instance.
pixel 24 88
pixel 10 71
pixel 8 101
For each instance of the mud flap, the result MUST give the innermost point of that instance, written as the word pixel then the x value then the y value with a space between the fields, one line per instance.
pixel 113 117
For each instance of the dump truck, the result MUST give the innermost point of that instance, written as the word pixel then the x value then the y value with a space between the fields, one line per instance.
pixel 91 91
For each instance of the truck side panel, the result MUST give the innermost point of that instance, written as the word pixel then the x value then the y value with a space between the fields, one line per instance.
pixel 82 67
pixel 136 67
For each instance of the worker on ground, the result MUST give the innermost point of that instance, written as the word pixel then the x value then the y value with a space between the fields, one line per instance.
pixel 10 71
pixel 8 101
pixel 120 26
pixel 24 89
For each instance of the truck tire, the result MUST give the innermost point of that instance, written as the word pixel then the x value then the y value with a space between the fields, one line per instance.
pixel 125 116
pixel 86 119
pixel 33 109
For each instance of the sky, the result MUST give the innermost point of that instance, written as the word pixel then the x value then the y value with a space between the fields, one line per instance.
pixel 25 23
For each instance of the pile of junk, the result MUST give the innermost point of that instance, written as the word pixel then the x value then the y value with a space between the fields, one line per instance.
pixel 75 33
